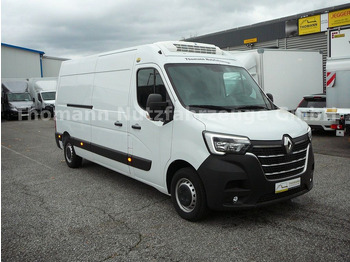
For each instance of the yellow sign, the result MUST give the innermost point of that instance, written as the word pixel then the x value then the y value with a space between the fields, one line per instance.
pixel 251 40
pixel 339 18
pixel 309 25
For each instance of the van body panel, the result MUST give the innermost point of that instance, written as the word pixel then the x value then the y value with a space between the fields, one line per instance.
pixel 153 140
pixel 110 111
pixel 189 146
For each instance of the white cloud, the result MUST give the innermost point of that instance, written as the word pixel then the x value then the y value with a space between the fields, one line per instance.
pixel 81 27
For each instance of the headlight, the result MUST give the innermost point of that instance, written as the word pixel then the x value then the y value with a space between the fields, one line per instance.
pixel 13 108
pixel 309 133
pixel 221 144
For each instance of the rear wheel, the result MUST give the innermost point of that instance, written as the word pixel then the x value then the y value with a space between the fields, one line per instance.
pixel 70 156
pixel 188 195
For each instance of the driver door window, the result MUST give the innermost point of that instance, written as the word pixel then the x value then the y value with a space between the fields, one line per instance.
pixel 149 82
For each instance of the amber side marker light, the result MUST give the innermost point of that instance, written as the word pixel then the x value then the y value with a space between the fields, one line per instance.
pixel 81 143
pixel 59 136
pixel 129 159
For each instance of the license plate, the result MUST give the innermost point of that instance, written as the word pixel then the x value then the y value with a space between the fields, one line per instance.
pixel 286 185
pixel 311 114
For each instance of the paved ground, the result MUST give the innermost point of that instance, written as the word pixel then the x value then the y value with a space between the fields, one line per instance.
pixel 53 213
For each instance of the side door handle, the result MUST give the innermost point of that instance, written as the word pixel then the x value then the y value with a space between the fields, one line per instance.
pixel 137 126
pixel 118 123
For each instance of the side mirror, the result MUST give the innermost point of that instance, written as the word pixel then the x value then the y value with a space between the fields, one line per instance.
pixel 33 100
pixel 270 96
pixel 156 107
pixel 39 98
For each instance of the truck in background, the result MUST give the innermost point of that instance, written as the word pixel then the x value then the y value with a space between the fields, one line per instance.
pixel 338 79
pixel 16 101
pixel 43 91
pixel 287 74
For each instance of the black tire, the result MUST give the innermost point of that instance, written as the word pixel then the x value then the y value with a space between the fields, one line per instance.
pixel 71 158
pixel 188 195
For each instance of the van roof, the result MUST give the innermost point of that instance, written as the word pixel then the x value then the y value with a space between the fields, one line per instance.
pixel 15 86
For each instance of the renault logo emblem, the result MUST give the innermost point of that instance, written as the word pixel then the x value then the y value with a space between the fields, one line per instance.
pixel 288 144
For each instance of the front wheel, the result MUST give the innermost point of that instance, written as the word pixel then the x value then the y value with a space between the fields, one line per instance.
pixel 188 195
pixel 72 159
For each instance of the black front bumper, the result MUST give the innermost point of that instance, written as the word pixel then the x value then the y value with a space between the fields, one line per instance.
pixel 229 176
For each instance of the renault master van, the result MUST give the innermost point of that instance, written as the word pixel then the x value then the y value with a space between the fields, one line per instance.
pixel 186 119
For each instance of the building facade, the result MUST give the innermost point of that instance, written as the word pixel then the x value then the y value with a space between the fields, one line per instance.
pixel 302 31
pixel 23 63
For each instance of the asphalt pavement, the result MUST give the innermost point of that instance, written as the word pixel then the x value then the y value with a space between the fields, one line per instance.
pixel 50 212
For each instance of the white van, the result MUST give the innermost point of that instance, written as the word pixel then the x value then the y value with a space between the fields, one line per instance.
pixel 187 119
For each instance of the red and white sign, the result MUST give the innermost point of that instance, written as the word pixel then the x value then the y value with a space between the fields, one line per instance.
pixel 330 79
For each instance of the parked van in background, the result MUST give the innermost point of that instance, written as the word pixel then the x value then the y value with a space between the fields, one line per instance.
pixel 187 119
pixel 43 90
pixel 16 101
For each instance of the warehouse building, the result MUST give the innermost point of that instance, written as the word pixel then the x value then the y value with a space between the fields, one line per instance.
pixel 21 62
pixel 302 31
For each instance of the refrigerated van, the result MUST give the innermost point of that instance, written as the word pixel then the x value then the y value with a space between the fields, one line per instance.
pixel 186 119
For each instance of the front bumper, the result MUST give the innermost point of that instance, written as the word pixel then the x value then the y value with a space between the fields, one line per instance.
pixel 229 176
pixel 21 112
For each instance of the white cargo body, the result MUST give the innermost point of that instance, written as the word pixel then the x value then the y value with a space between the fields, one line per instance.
pixel 288 75
pixel 339 42
pixel 186 119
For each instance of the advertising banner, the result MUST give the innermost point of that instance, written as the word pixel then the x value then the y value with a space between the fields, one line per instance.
pixel 339 18
pixel 309 25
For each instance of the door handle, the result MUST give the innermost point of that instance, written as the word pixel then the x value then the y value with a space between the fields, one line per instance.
pixel 137 126
pixel 118 123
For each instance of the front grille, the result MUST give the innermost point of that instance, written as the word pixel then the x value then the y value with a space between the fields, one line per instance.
pixel 24 110
pixel 195 49
pixel 276 163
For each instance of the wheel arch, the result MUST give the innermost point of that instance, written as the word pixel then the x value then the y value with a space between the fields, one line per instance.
pixel 173 167
pixel 65 135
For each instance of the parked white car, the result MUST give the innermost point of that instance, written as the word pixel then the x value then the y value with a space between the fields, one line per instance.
pixel 312 109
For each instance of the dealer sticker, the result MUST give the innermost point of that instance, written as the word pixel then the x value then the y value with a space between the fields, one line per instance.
pixel 286 185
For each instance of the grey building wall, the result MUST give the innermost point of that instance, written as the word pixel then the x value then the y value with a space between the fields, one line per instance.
pixel 19 63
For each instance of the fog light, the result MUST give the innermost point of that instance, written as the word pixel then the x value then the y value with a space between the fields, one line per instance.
pixel 235 199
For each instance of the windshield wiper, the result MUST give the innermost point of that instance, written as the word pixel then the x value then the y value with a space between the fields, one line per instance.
pixel 250 107
pixel 214 107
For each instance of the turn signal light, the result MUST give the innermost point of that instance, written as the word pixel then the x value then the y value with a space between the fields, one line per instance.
pixel 129 159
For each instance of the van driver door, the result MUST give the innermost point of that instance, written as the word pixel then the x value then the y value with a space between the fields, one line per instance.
pixel 149 145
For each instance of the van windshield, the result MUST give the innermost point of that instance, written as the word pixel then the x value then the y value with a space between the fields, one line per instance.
pixel 16 97
pixel 48 95
pixel 216 87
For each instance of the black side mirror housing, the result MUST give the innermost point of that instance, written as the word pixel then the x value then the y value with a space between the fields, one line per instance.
pixel 33 100
pixel 270 96
pixel 39 98
pixel 156 107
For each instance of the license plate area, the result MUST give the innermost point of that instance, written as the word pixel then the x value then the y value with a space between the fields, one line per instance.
pixel 287 185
